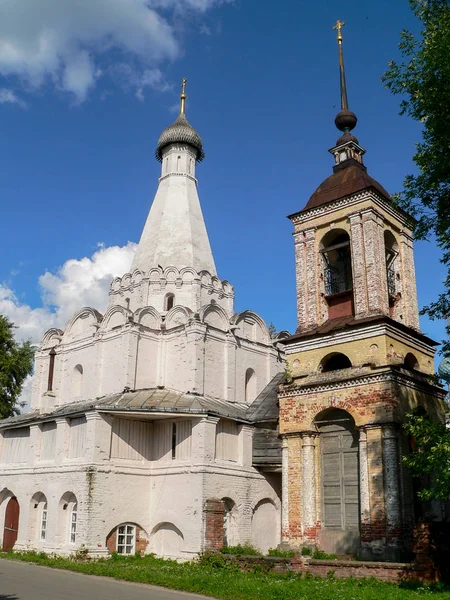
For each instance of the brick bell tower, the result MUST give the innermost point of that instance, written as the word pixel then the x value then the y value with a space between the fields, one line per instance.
pixel 357 365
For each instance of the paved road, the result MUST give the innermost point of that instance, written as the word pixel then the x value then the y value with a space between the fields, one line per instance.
pixel 21 581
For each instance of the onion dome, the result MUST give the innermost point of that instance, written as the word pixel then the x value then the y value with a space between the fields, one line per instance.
pixel 180 132
pixel 444 370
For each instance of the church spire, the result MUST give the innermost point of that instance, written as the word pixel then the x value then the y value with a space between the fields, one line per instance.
pixel 345 120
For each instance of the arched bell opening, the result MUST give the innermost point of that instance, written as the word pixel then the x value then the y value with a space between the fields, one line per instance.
pixel 391 257
pixel 337 273
pixel 340 487
pixel 334 362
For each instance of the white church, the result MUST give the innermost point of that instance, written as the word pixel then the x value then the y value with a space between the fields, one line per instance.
pixel 153 427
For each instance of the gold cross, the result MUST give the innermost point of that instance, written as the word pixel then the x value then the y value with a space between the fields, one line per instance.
pixel 183 86
pixel 339 25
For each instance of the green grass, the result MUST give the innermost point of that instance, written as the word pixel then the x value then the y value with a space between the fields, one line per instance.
pixel 239 550
pixel 214 577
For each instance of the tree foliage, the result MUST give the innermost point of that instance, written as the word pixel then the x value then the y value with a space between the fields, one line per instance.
pixel 430 458
pixel 423 78
pixel 16 362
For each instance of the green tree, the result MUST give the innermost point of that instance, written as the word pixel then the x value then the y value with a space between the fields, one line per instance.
pixel 16 362
pixel 431 455
pixel 423 78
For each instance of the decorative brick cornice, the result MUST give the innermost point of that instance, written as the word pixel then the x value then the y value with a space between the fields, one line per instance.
pixel 348 201
pixel 367 379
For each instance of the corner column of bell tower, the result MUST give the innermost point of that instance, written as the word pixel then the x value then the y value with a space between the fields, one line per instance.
pixel 368 263
pixel 411 308
pixel 306 278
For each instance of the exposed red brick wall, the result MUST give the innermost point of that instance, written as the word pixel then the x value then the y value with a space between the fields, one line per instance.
pixel 214 524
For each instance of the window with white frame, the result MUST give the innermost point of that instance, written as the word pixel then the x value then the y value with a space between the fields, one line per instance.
pixel 126 539
pixel 43 534
pixel 73 524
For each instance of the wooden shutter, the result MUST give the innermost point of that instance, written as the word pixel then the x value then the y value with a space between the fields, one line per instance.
pixel 340 478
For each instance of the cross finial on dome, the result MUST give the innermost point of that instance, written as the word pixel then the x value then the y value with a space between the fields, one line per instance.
pixel 183 95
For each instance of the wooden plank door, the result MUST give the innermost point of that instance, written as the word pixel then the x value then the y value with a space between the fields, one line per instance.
pixel 11 524
pixel 340 481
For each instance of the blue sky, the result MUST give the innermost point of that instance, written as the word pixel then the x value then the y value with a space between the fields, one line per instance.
pixel 79 124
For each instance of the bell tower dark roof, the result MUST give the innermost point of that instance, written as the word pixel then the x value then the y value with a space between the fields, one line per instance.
pixel 349 173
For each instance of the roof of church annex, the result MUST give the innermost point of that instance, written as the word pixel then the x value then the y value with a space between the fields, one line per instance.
pixel 180 132
pixel 349 173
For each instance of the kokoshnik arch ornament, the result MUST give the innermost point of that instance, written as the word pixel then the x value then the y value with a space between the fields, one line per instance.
pixel 359 364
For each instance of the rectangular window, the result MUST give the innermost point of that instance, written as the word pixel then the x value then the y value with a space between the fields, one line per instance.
pixel 77 437
pixel 126 539
pixel 44 522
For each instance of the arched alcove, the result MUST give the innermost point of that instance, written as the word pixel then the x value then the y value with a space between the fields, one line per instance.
pixel 334 362
pixel 229 522
pixel 77 380
pixel 250 385
pixel 411 362
pixel 265 525
pixel 167 540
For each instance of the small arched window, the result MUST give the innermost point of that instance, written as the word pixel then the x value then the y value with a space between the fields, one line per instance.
pixel 250 385
pixel 169 301
pixel 77 380
pixel 127 303
pixel 335 362
pixel 337 262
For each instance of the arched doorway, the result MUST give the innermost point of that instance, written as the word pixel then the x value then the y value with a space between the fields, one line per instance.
pixel 339 449
pixel 11 524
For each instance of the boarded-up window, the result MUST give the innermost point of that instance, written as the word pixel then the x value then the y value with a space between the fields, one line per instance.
pixel 77 443
pixel 227 440
pixel 48 440
pixel 131 440
pixel 172 440
pixel 16 445
pixel 340 478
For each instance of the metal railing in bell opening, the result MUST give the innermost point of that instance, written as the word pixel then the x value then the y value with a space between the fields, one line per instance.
pixel 337 281
pixel 391 281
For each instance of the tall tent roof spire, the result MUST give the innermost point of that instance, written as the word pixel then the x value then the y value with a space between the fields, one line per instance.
pixel 180 132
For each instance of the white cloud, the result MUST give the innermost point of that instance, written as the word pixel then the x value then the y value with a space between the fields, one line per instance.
pixel 78 283
pixel 65 42
pixel 10 97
